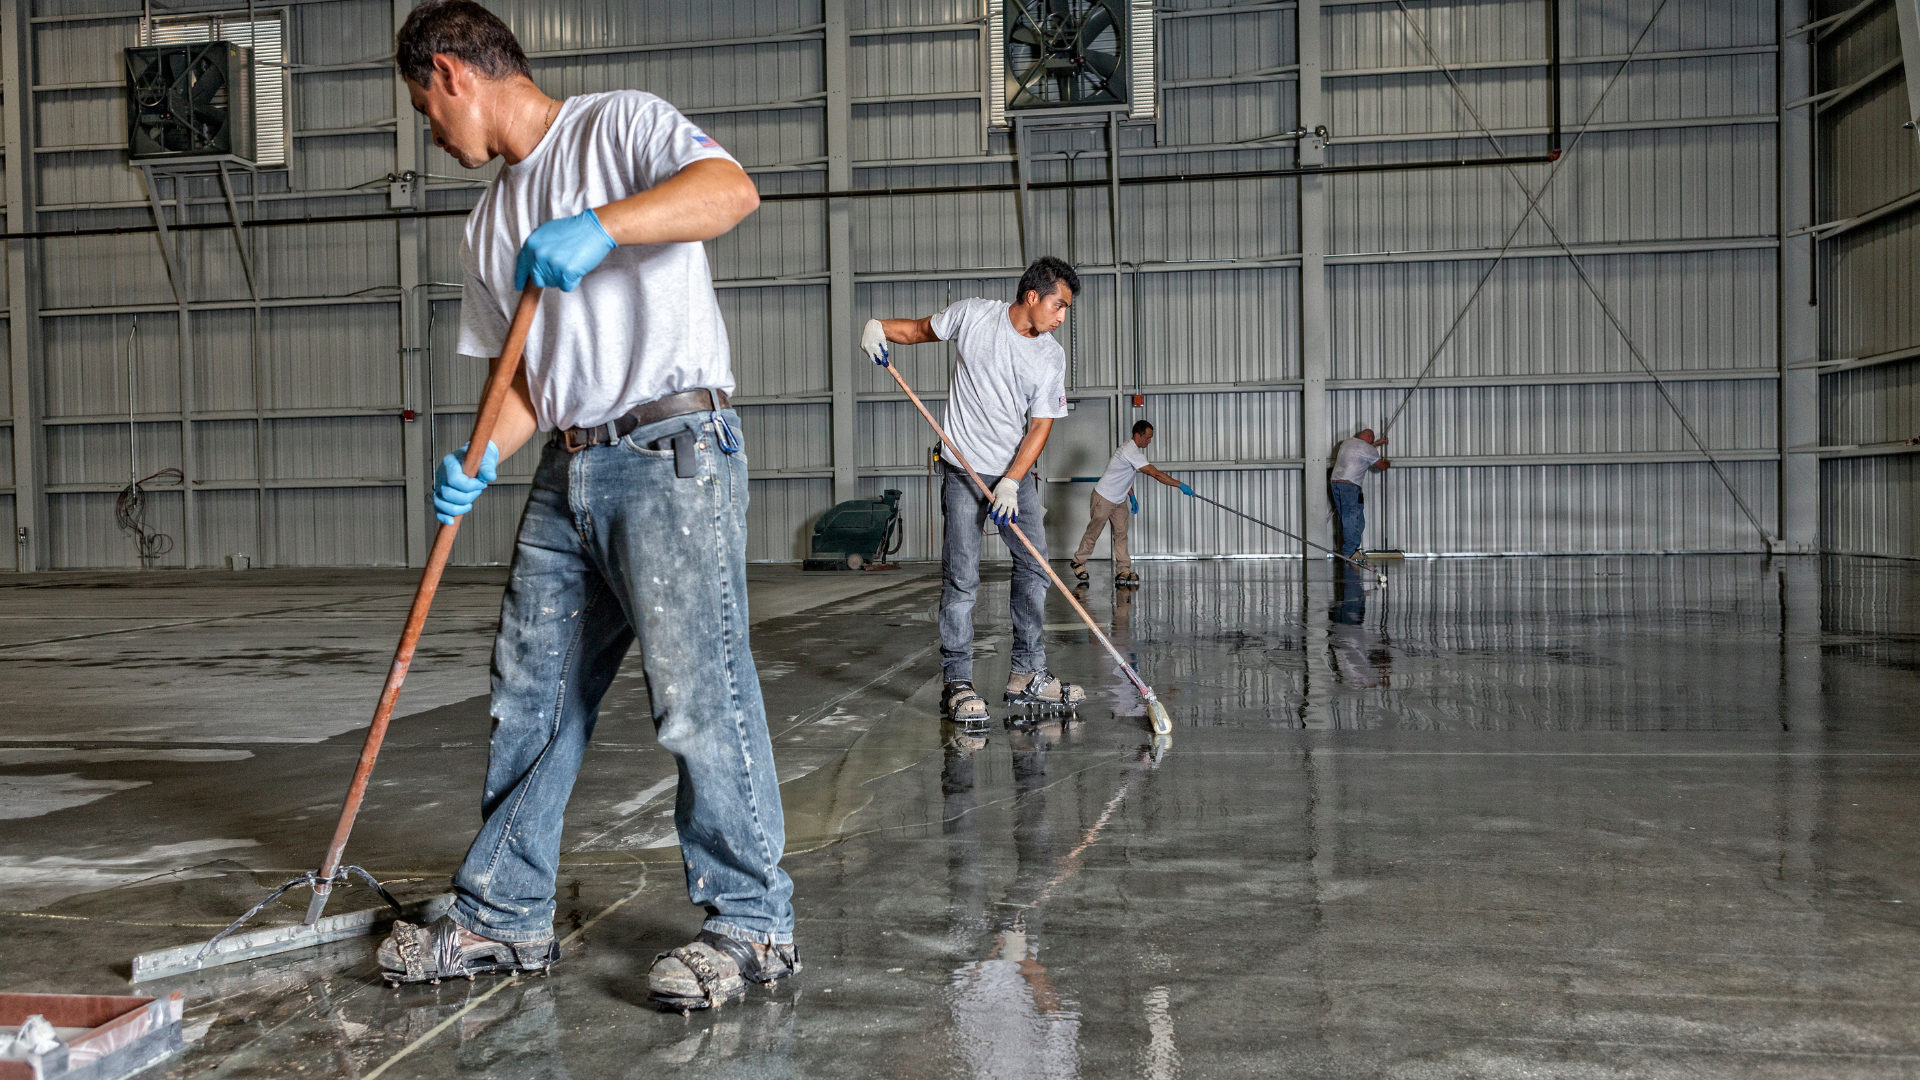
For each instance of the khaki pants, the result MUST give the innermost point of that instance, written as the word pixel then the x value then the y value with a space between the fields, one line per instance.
pixel 1104 512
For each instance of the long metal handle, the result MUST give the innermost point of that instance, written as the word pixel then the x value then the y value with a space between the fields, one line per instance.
pixel 496 397
pixel 1350 562
pixel 1140 685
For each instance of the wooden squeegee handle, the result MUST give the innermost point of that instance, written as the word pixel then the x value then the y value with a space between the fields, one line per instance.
pixel 498 385
pixel 1132 675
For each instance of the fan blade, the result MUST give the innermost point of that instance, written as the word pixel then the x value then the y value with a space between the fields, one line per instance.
pixel 1099 22
pixel 1027 35
pixel 1104 64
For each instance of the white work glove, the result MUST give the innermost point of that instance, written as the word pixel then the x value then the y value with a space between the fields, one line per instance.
pixel 873 341
pixel 1006 502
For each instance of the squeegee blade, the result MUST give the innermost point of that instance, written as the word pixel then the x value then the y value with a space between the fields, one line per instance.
pixel 273 940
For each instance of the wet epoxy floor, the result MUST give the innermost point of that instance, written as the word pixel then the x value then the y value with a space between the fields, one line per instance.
pixel 1581 817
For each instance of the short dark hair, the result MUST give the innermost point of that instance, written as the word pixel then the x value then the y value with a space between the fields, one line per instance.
pixel 1140 426
pixel 459 28
pixel 1046 273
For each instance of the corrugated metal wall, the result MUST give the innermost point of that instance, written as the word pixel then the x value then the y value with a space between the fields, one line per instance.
pixel 1535 430
pixel 1868 194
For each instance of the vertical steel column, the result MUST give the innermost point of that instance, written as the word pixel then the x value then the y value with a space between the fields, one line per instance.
pixel 1122 342
pixel 411 242
pixel 189 395
pixel 1315 433
pixel 29 509
pixel 841 345
pixel 1799 321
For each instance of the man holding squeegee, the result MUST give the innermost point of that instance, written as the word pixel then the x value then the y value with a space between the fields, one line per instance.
pixel 1009 385
pixel 635 528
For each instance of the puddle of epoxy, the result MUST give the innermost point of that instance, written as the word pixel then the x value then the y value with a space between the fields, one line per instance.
pixel 818 804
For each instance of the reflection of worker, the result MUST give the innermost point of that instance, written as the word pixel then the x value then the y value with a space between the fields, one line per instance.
pixel 1350 463
pixel 1112 503
pixel 1009 385
pixel 1360 658
pixel 636 524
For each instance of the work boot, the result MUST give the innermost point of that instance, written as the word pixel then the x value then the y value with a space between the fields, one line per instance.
pixel 446 950
pixel 1079 571
pixel 963 704
pixel 1127 579
pixel 1038 689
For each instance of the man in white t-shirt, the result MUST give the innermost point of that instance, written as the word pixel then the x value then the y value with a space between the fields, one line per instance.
pixel 1009 386
pixel 1351 462
pixel 1112 503
pixel 635 527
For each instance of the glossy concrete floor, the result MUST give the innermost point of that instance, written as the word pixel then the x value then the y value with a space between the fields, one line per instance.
pixel 1574 817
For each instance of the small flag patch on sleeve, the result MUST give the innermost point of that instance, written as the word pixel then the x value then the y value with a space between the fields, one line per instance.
pixel 701 138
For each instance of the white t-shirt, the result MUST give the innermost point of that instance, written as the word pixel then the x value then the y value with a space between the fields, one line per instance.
pixel 1122 467
pixel 1353 459
pixel 645 323
pixel 1002 378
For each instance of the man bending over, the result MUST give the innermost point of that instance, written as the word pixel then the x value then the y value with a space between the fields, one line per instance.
pixel 1009 385
pixel 635 527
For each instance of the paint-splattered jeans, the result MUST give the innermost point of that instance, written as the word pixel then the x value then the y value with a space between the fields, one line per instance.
pixel 615 546
pixel 1352 513
pixel 966 511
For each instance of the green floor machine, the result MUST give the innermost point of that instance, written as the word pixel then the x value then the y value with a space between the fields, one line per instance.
pixel 858 535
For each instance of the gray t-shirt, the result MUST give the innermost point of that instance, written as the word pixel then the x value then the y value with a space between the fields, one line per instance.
pixel 1002 378
pixel 645 323
pixel 1353 459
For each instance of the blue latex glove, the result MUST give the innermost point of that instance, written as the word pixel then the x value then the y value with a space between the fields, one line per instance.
pixel 454 492
pixel 1133 502
pixel 1185 488
pixel 560 253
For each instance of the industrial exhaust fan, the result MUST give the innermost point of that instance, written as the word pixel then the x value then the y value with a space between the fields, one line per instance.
pixel 1066 54
pixel 191 100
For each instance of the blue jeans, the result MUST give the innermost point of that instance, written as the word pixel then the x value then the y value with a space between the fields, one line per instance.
pixel 1352 514
pixel 615 546
pixel 966 511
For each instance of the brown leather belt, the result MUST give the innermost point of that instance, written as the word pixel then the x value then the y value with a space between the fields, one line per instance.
pixel 661 408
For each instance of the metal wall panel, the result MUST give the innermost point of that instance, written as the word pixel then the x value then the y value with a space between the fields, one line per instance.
pixel 1568 508
pixel 779 339
pixel 1222 427
pixel 1871 405
pixel 1869 506
pixel 1619 187
pixel 1228 322
pixel 1536 318
pixel 892 434
pixel 1217 326
pixel 1170 524
pixel 1870 296
pixel 1595 418
pixel 787 438
pixel 780 517
pixel 1862 181
pixel 81 530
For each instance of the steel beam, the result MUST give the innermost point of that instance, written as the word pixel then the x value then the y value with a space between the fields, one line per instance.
pixel 410 241
pixel 1316 434
pixel 841 344
pixel 1799 319
pixel 29 542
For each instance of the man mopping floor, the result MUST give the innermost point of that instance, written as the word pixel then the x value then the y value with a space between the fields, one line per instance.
pixel 635 527
pixel 1009 386
pixel 1113 503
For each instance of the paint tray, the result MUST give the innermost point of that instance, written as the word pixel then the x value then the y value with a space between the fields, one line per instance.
pixel 101 1038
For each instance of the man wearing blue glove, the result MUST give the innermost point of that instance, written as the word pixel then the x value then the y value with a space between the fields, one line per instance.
pixel 1009 385
pixel 635 527
pixel 1113 503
